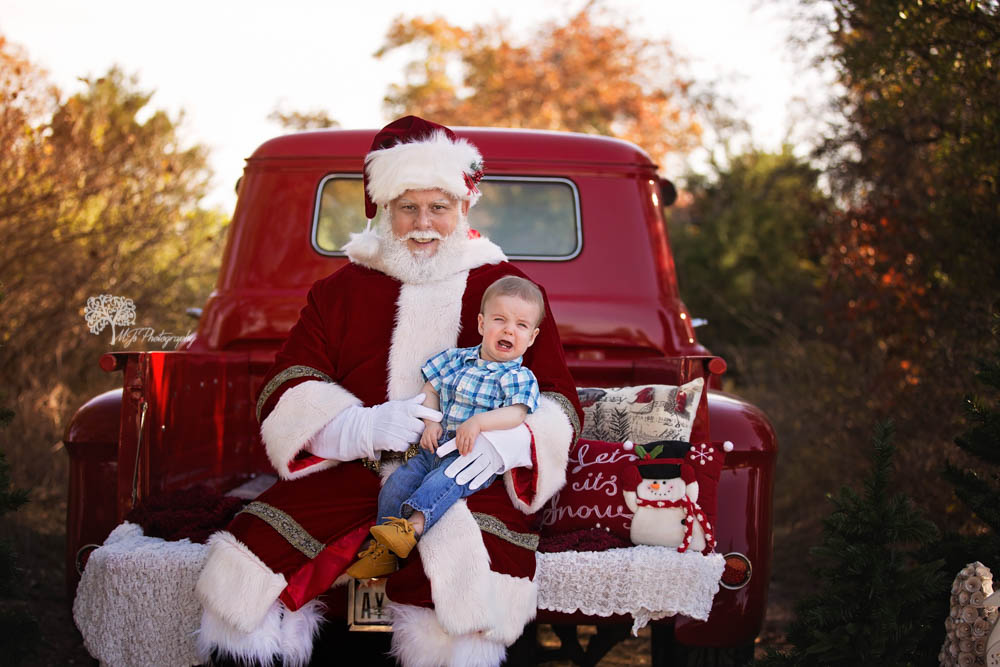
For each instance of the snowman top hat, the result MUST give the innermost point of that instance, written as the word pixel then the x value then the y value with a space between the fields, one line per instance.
pixel 663 459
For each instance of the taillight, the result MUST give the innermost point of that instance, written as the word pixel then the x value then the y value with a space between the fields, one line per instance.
pixel 737 572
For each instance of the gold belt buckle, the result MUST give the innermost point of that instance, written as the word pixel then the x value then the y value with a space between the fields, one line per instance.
pixel 375 465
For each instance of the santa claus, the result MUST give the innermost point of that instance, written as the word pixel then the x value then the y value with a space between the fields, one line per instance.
pixel 338 411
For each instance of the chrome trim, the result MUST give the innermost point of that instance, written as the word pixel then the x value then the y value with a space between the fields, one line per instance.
pixel 746 581
pixel 79 552
pixel 138 451
pixel 314 231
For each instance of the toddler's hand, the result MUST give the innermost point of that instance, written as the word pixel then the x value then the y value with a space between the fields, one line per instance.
pixel 431 435
pixel 466 434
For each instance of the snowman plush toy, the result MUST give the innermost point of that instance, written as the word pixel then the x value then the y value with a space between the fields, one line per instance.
pixel 661 489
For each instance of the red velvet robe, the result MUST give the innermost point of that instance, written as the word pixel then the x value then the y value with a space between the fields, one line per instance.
pixel 357 341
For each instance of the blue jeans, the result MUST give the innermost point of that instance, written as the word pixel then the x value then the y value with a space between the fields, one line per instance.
pixel 420 485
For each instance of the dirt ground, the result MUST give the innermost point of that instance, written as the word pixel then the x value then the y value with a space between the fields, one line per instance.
pixel 37 533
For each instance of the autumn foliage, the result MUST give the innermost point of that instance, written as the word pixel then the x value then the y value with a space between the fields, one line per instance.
pixel 913 257
pixel 586 74
pixel 98 195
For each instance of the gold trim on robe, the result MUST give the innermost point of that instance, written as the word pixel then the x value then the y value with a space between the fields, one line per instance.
pixel 494 526
pixel 290 373
pixel 286 526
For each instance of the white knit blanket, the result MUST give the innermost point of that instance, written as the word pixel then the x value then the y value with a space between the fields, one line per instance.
pixel 645 582
pixel 135 604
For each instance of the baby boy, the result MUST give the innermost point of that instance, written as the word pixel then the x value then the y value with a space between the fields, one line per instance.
pixel 481 388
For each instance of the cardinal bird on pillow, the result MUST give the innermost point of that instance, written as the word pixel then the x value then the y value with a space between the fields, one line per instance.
pixel 662 490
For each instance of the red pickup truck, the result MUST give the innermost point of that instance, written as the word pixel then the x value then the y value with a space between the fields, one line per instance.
pixel 582 215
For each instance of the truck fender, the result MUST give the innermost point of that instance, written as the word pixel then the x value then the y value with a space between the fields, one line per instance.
pixel 743 524
pixel 91 441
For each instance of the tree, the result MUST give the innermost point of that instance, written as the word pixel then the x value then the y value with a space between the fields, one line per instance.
pixel 317 119
pixel 908 255
pixel 870 607
pixel 18 630
pixel 98 194
pixel 912 259
pixel 746 248
pixel 979 489
pixel 588 74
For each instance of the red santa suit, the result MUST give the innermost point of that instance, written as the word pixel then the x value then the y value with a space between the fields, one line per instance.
pixel 361 339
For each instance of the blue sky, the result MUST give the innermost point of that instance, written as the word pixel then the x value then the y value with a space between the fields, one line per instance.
pixel 229 64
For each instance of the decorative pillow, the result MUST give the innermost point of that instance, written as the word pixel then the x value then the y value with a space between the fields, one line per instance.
pixel 708 459
pixel 673 491
pixel 641 414
pixel 592 497
pixel 194 513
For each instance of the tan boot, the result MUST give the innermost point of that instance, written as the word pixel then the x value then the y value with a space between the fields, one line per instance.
pixel 375 561
pixel 397 535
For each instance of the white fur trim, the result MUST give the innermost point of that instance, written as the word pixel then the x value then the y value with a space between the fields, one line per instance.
pixel 470 598
pixel 427 322
pixel 387 468
pixel 418 640
pixel 235 584
pixel 299 630
pixel 261 645
pixel 363 245
pixel 457 564
pixel 480 252
pixel 475 651
pixel 435 162
pixel 517 605
pixel 288 635
pixel 300 413
pixel 553 436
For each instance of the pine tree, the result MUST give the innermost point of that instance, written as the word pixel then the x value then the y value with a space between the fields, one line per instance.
pixel 980 490
pixel 18 629
pixel 10 501
pixel 871 603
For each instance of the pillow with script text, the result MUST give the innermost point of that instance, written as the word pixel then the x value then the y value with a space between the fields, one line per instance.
pixel 592 497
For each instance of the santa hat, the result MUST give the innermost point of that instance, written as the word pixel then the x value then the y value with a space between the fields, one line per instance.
pixel 415 154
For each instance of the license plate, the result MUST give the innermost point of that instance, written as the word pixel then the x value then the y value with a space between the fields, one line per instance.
pixel 366 606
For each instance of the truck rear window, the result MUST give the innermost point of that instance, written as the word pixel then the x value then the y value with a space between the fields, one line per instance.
pixel 529 217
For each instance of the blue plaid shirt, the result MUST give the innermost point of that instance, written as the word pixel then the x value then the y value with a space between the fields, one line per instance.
pixel 468 385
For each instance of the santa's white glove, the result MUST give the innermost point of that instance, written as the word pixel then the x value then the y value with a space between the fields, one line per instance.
pixel 493 453
pixel 359 432
pixel 396 424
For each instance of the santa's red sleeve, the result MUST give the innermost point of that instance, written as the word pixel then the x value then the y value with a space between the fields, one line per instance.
pixel 300 393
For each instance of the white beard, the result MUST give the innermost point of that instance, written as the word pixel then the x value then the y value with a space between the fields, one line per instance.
pixel 377 248
pixel 395 258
